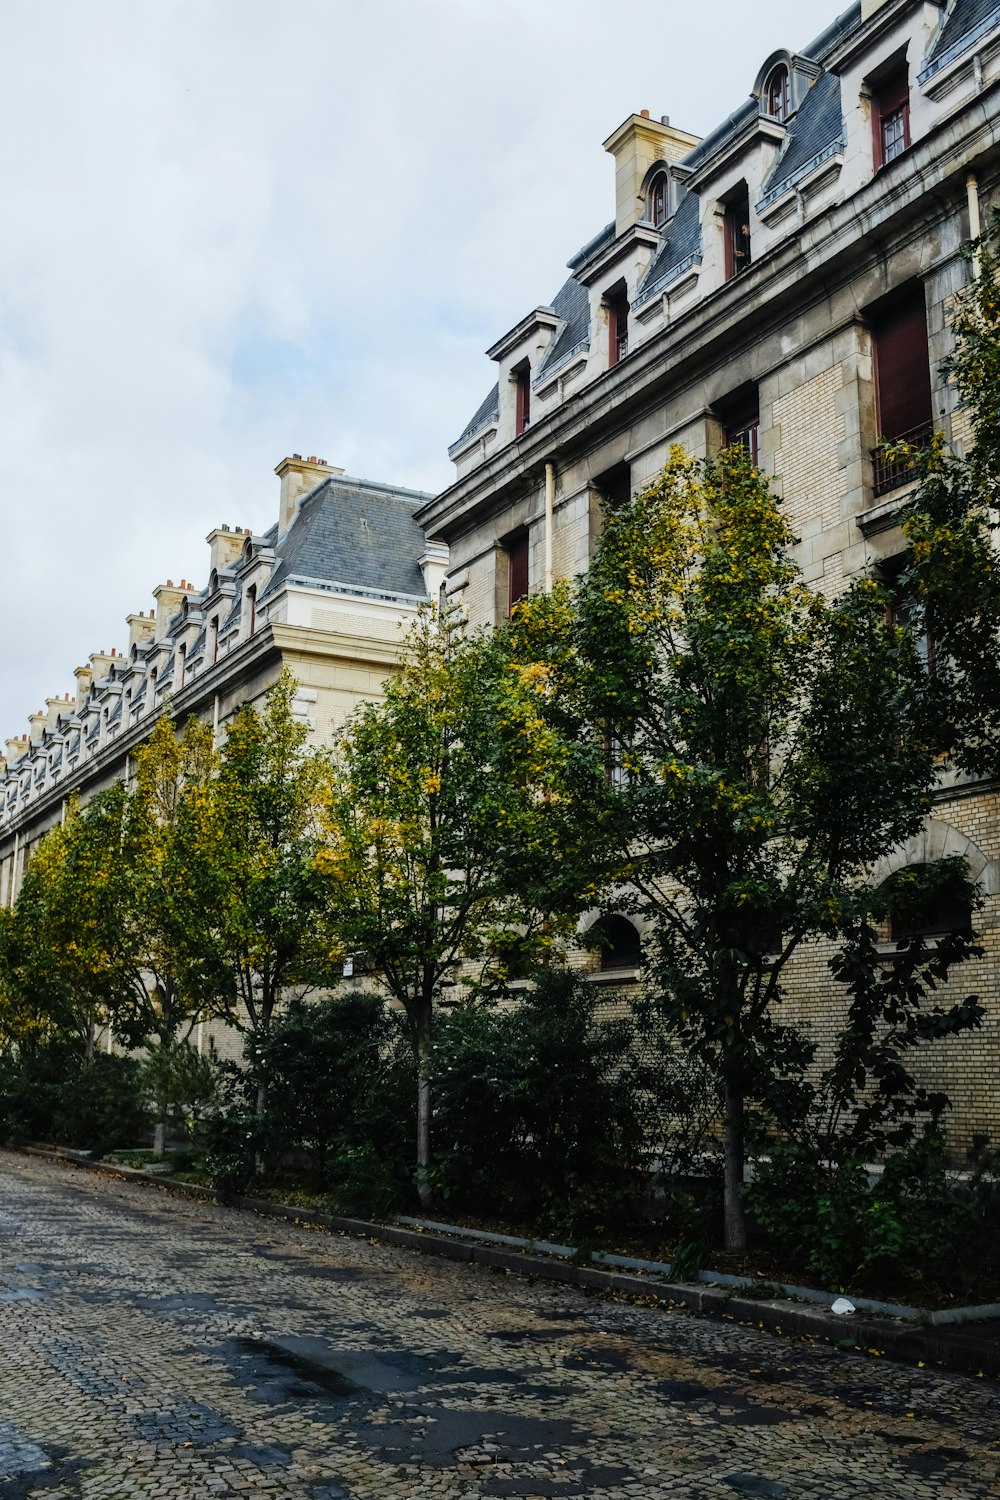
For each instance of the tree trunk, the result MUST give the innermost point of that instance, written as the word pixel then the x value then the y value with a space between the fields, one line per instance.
pixel 732 1192
pixel 159 1137
pixel 89 1054
pixel 424 1103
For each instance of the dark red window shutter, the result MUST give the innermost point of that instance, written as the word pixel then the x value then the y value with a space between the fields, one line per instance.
pixel 517 569
pixel 902 369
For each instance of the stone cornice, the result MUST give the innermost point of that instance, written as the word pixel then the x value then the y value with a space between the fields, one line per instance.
pixel 262 653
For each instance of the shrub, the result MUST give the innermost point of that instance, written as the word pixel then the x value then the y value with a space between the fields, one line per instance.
pixel 911 1224
pixel 545 1108
pixel 50 1093
pixel 337 1091
pixel 179 1085
pixel 99 1105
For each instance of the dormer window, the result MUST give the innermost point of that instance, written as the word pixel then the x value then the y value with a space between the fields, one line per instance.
pixel 736 226
pixel 618 310
pixel 891 116
pixel 658 200
pixel 777 93
pixel 522 398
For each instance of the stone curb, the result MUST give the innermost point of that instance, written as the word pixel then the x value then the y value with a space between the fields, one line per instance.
pixel 960 1351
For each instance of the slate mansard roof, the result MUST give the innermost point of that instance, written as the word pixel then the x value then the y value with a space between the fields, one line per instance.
pixel 356 535
pixel 815 132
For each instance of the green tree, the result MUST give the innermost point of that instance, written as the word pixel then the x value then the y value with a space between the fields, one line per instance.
pixel 952 566
pixel 246 893
pixel 443 799
pixel 766 747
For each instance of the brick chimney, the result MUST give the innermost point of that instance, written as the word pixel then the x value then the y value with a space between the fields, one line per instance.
pixel 16 747
pixel 226 544
pixel 298 476
pixel 36 726
pixel 635 145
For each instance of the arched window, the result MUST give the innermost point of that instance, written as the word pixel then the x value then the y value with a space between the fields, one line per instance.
pixel 777 94
pixel 658 200
pixel 619 943
pixel 928 901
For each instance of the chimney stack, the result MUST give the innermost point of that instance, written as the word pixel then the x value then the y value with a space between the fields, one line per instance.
pixel 140 628
pixel 168 601
pixel 226 546
pixel 16 747
pixel 635 146
pixel 101 663
pixel 298 477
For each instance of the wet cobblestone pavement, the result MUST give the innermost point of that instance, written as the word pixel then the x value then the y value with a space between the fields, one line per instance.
pixel 151 1346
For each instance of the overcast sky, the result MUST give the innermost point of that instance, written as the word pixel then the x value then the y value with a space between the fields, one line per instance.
pixel 234 229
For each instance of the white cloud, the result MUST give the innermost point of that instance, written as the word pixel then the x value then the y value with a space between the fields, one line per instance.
pixel 236 228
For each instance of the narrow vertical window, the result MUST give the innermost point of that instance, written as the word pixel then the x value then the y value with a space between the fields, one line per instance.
pixel 517 569
pixel 213 632
pixel 891 117
pixel 741 424
pixel 737 232
pixel 252 608
pixel 658 200
pixel 522 398
pixel 777 94
pixel 903 407
pixel 181 667
pixel 618 310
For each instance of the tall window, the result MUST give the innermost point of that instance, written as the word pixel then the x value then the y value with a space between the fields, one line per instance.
pixel 516 549
pixel 906 610
pixel 741 424
pixel 213 637
pixel 252 608
pixel 617 301
pixel 891 116
pixel 618 942
pixel 902 383
pixel 522 398
pixel 615 484
pixel 777 93
pixel 659 200
pixel 737 232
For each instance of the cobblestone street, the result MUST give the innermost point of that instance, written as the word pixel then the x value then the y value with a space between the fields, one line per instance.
pixel 152 1346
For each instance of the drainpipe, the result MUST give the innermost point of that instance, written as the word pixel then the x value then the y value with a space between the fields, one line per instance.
pixel 550 491
pixel 975 222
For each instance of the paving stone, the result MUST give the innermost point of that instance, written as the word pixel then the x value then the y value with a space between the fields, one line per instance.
pixel 176 1349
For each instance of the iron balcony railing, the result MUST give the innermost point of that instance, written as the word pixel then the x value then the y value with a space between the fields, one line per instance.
pixel 891 473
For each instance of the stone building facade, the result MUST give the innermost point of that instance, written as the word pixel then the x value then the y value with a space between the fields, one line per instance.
pixel 786 283
pixel 327 591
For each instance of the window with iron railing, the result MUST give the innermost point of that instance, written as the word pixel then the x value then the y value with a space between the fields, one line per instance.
pixel 902 387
